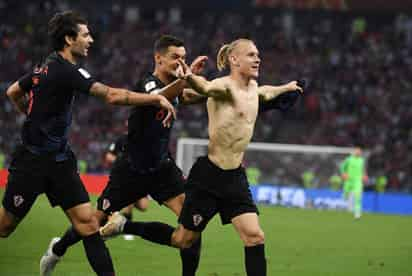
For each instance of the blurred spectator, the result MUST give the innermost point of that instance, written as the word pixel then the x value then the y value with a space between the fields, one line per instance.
pixel 2 160
pixel 358 86
pixel 335 182
pixel 82 166
pixel 308 179
pixel 380 183
pixel 253 175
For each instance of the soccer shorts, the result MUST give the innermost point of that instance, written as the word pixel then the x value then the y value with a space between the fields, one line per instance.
pixel 31 175
pixel 126 185
pixel 211 190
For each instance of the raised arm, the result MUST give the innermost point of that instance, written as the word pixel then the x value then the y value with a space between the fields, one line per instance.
pixel 172 90
pixel 215 89
pixel 118 96
pixel 18 97
pixel 268 92
pixel 176 88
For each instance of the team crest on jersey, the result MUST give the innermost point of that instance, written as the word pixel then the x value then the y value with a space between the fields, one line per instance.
pixel 150 85
pixel 18 200
pixel 197 219
pixel 106 204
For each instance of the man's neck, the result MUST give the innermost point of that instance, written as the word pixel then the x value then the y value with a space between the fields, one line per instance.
pixel 67 55
pixel 241 81
pixel 164 78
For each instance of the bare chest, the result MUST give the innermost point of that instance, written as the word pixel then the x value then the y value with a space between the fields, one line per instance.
pixel 245 106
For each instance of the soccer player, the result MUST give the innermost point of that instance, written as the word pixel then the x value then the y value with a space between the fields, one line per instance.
pixel 217 182
pixel 353 174
pixel 116 149
pixel 44 162
pixel 146 167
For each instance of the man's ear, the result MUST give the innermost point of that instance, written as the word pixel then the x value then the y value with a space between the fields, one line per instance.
pixel 234 60
pixel 158 58
pixel 69 40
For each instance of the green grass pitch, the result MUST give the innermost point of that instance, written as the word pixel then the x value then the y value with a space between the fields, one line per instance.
pixel 298 242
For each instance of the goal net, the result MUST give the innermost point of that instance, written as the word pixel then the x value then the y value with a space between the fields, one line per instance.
pixel 277 164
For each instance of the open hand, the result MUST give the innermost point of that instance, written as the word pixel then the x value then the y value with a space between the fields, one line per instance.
pixel 293 86
pixel 186 71
pixel 171 112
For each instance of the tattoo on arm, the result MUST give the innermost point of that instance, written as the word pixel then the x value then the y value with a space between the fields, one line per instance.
pixel 100 90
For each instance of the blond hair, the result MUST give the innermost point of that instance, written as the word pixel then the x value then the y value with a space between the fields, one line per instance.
pixel 222 60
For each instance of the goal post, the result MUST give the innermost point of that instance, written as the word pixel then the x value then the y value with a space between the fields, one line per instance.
pixel 278 164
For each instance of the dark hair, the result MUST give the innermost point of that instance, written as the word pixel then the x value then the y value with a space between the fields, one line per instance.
pixel 61 25
pixel 163 42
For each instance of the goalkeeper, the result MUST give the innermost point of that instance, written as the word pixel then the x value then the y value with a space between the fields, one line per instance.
pixel 353 174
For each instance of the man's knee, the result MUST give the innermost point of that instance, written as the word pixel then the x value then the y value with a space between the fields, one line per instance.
pixel 85 221
pixel 142 205
pixel 86 226
pixel 183 240
pixel 8 223
pixel 6 231
pixel 253 237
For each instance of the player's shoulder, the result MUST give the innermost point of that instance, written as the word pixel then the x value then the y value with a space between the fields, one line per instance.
pixel 59 65
pixel 254 83
pixel 58 62
pixel 224 79
pixel 147 83
pixel 223 82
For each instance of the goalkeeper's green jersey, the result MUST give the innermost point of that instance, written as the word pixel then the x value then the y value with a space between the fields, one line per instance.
pixel 354 167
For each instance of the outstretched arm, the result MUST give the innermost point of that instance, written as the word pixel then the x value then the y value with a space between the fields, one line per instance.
pixel 215 89
pixel 118 96
pixel 268 92
pixel 173 90
pixel 190 96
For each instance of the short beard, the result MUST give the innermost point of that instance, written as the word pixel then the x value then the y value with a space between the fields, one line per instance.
pixel 78 56
pixel 171 76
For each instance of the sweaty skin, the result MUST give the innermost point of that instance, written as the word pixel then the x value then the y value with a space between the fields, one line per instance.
pixel 231 124
pixel 233 103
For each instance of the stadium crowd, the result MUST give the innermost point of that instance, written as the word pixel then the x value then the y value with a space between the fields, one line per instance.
pixel 357 70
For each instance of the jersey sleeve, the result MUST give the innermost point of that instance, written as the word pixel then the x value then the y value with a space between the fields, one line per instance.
pixel 81 80
pixel 26 82
pixel 282 102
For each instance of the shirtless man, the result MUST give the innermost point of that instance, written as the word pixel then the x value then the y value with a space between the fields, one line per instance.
pixel 217 182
